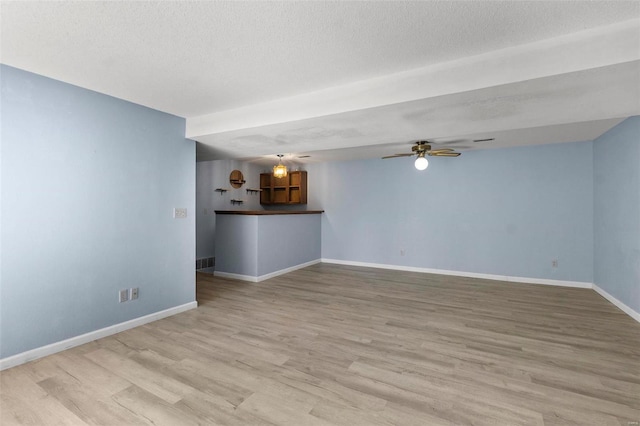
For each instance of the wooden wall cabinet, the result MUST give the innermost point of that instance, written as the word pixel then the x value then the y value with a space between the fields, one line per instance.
pixel 291 189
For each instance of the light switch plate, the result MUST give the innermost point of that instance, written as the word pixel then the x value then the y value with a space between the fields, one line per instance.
pixel 179 213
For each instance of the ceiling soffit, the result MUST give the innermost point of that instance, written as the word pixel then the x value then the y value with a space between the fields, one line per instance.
pixel 591 75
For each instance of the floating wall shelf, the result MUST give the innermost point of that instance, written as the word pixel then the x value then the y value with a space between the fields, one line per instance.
pixel 221 190
pixel 253 191
pixel 233 201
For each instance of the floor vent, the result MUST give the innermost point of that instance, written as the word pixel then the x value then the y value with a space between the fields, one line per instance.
pixel 205 262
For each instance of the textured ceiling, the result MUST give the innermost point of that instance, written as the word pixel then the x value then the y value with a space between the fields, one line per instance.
pixel 194 59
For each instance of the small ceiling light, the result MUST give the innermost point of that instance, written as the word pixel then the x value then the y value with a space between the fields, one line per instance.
pixel 280 170
pixel 421 162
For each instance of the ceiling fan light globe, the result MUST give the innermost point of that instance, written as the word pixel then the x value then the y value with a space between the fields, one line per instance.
pixel 421 163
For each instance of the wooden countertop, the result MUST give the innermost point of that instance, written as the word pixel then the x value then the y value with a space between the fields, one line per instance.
pixel 268 212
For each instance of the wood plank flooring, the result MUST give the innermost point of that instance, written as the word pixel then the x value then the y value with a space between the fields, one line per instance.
pixel 339 345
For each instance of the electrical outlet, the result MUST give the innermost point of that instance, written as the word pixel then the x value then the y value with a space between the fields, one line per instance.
pixel 554 263
pixel 123 295
pixel 133 293
pixel 179 213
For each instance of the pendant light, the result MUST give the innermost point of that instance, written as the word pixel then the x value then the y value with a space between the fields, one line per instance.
pixel 280 170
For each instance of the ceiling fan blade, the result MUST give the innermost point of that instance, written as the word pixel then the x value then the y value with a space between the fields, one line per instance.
pixel 444 154
pixel 398 155
pixel 435 151
pixel 435 142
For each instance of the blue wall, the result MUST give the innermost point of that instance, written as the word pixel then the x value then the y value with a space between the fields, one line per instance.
pixel 88 186
pixel 239 237
pixel 617 212
pixel 287 241
pixel 504 212
pixel 215 174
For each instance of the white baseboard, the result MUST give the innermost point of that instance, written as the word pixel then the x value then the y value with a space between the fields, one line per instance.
pixel 578 284
pixel 287 270
pixel 257 279
pixel 53 348
pixel 624 308
pixel 240 277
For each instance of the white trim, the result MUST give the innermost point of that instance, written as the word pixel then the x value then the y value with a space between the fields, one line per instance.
pixel 62 345
pixel 287 270
pixel 260 278
pixel 624 308
pixel 578 284
pixel 240 277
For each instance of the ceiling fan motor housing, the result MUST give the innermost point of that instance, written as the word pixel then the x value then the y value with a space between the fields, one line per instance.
pixel 420 147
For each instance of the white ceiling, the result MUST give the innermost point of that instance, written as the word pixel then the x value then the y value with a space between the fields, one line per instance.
pixel 260 78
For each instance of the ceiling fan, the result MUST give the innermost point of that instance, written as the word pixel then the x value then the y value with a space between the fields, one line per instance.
pixel 422 149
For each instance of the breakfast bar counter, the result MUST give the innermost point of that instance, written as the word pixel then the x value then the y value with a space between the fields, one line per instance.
pixel 255 245
pixel 268 212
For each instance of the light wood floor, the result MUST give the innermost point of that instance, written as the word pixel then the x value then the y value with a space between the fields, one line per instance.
pixel 351 346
